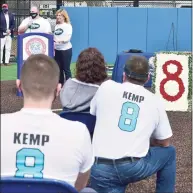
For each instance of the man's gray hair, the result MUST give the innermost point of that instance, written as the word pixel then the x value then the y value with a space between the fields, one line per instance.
pixel 35 6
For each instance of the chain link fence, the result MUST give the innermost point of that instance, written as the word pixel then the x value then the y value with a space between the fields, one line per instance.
pixel 21 9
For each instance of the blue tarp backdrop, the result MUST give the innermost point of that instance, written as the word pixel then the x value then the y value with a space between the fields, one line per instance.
pixel 113 30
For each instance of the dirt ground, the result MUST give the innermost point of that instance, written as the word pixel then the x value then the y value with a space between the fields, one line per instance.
pixel 181 123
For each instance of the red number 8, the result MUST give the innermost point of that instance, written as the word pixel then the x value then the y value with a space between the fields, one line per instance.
pixel 175 77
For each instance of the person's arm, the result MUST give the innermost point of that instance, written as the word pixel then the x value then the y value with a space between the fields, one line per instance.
pixel 12 25
pixel 87 160
pixel 12 22
pixel 163 132
pixel 2 27
pixel 95 99
pixel 93 104
pixel 67 35
pixel 160 143
pixel 66 39
pixel 24 26
pixel 48 28
pixel 82 180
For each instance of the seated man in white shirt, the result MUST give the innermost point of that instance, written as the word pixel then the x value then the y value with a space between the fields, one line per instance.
pixel 35 136
pixel 34 23
pixel 130 119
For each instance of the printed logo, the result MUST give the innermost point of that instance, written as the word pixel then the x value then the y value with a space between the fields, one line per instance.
pixel 35 46
pixel 58 31
pixel 34 26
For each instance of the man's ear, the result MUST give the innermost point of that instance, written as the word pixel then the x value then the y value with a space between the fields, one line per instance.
pixel 58 89
pixel 148 78
pixel 18 84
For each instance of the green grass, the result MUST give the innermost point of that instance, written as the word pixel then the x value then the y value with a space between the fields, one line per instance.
pixel 10 72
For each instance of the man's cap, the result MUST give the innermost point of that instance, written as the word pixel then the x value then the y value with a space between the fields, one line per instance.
pixel 4 6
pixel 137 67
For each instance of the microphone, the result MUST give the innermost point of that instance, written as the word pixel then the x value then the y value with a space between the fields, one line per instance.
pixel 31 21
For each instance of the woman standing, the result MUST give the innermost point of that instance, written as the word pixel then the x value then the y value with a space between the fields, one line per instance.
pixel 63 46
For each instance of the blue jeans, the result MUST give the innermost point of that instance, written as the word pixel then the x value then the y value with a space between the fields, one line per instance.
pixel 114 178
pixel 88 190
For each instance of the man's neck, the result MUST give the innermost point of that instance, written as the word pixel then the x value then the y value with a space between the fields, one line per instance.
pixel 37 17
pixel 37 104
pixel 135 82
pixel 61 22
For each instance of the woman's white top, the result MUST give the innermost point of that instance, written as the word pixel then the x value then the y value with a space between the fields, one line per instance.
pixel 63 32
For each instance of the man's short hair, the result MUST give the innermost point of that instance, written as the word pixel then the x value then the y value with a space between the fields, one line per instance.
pixel 137 68
pixel 39 77
pixel 34 6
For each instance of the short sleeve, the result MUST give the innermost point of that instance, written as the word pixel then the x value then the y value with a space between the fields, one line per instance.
pixel 68 30
pixel 67 33
pixel 24 22
pixel 163 129
pixel 100 92
pixel 48 27
pixel 87 153
pixel 93 103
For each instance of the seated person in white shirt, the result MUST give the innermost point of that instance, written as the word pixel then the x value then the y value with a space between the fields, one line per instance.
pixel 61 149
pixel 34 23
pixel 132 134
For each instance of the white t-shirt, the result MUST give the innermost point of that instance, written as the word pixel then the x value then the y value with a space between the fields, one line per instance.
pixel 39 143
pixel 63 32
pixel 39 25
pixel 7 23
pixel 7 20
pixel 127 116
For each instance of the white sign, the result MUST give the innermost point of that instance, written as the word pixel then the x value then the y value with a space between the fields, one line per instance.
pixel 48 6
pixel 34 44
pixel 172 81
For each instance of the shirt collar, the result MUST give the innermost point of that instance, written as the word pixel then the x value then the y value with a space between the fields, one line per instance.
pixel 84 83
pixel 36 110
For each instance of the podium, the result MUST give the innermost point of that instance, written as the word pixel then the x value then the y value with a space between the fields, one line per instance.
pixel 33 43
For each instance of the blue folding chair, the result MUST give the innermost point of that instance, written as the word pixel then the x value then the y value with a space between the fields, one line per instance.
pixel 85 118
pixel 32 185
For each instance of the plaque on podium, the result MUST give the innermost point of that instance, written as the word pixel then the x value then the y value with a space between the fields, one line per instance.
pixel 33 43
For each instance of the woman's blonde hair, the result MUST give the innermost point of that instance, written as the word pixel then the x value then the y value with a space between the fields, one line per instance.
pixel 64 14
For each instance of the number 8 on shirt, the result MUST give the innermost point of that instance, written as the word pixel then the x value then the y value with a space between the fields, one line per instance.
pixel 129 115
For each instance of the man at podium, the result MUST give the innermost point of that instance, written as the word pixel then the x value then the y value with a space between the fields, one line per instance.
pixel 34 23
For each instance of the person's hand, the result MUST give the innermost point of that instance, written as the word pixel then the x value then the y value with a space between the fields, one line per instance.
pixel 56 42
pixel 30 22
pixel 8 31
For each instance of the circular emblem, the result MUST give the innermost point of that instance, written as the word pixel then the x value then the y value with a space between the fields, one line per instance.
pixel 35 46
pixel 34 26
pixel 58 31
